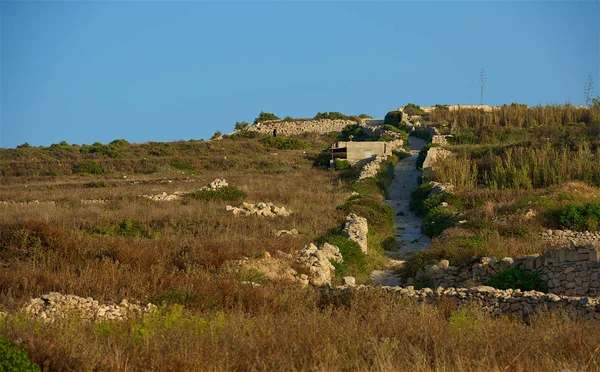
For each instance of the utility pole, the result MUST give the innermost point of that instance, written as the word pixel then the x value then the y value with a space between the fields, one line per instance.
pixel 588 90
pixel 482 81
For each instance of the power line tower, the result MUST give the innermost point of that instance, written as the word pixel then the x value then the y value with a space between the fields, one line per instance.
pixel 482 81
pixel 588 90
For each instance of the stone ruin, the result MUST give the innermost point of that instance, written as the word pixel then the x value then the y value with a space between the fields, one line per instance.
pixel 214 185
pixel 56 305
pixel 259 209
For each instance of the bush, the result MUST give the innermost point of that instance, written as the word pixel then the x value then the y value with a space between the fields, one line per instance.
pixel 13 358
pixel 341 164
pixel 227 193
pixel 355 261
pixel 161 149
pixel 354 130
pixel 412 109
pixel 24 146
pixel 365 116
pixel 517 279
pixel 241 125
pixel 87 167
pixel 183 166
pixel 217 134
pixel 580 217
pixel 463 138
pixel 264 116
pixel 284 143
pixel 393 118
pixel 120 142
pixel 110 151
pixel 96 185
pixel 330 115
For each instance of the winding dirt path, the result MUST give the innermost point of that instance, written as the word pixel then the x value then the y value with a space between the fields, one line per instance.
pixel 409 237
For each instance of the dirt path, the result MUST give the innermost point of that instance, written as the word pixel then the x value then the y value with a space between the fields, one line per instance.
pixel 409 237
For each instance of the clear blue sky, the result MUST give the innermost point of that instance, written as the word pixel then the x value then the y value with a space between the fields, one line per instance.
pixel 159 71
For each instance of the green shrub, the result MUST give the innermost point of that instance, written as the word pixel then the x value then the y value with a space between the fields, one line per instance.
pixel 580 217
pixel 87 167
pixel 241 125
pixel 227 193
pixel 14 358
pixel 264 116
pixel 97 185
pixel 517 279
pixel 393 118
pixel 160 149
pixel 24 146
pixel 354 130
pixel 288 119
pixel 412 109
pixel 418 197
pixel 120 142
pixel 52 173
pixel 355 261
pixel 437 220
pixel 463 138
pixel 284 143
pixel 330 115
pixel 217 134
pixel 341 164
pixel 183 166
pixel 130 228
pixel 109 151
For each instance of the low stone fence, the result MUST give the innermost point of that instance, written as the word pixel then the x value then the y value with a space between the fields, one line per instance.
pixel 287 128
pixel 565 271
pixel 568 238
pixel 494 301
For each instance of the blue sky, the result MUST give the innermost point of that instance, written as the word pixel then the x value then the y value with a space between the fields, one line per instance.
pixel 160 71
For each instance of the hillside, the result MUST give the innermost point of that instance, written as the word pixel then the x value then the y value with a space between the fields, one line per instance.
pixel 248 252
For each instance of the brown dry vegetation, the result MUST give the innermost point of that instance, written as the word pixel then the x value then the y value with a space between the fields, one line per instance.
pixel 209 319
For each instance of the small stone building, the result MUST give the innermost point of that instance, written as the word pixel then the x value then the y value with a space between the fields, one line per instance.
pixel 357 151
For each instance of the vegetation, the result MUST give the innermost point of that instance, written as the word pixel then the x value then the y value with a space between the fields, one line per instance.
pixel 228 193
pixel 265 116
pixel 180 254
pixel 13 358
pixel 284 143
pixel 517 279
pixel 411 109
pixel 393 118
pixel 88 167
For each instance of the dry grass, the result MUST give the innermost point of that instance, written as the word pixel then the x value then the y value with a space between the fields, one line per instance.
pixel 211 320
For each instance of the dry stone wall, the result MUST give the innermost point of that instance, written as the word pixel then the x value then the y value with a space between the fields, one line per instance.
pixel 56 305
pixel 568 238
pixel 288 128
pixel 571 272
pixel 356 229
pixel 494 301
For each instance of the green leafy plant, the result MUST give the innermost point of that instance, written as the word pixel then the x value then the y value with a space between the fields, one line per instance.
pixel 14 358
pixel 341 164
pixel 517 279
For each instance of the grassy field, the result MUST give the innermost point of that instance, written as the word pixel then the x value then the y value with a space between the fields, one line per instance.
pixel 175 254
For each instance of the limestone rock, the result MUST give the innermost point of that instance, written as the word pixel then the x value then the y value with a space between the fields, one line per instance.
pixel 356 228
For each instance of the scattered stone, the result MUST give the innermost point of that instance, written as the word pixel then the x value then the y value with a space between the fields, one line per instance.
pixel 282 233
pixel 259 209
pixel 56 305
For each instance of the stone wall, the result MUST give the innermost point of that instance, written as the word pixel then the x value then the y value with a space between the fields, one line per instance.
pixel 568 238
pixel 494 301
pixel 296 127
pixel 565 271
